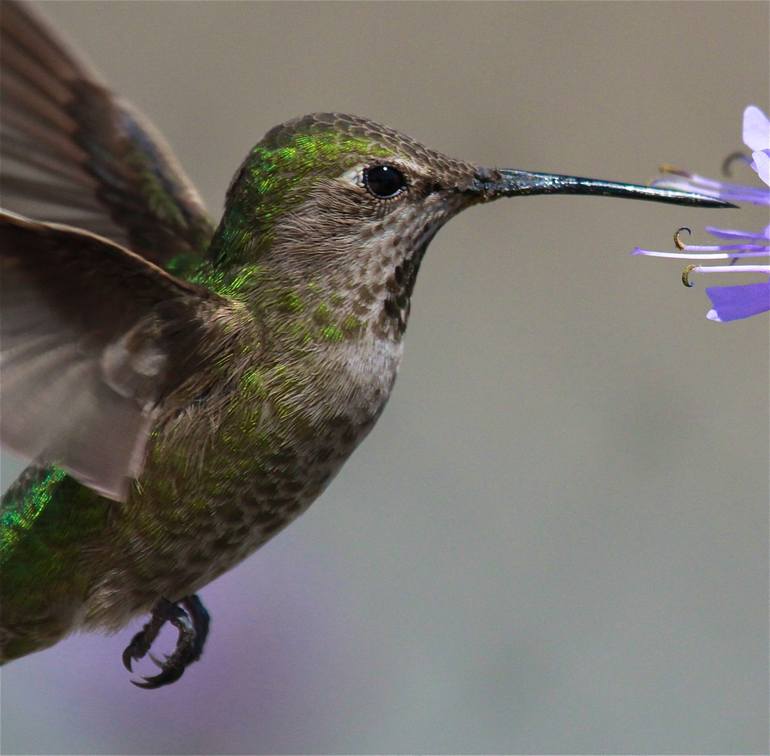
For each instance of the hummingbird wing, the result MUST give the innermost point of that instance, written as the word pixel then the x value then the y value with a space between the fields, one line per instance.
pixel 93 338
pixel 75 153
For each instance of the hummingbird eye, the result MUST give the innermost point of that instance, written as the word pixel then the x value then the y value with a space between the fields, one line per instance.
pixel 384 181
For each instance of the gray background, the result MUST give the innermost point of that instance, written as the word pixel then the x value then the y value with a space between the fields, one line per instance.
pixel 556 538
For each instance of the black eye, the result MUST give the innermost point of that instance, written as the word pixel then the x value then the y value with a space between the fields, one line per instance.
pixel 384 181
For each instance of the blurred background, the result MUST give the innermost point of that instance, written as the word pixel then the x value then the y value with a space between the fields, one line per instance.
pixel 556 538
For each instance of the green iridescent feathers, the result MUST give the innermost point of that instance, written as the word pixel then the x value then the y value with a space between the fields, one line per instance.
pixel 275 177
pixel 47 518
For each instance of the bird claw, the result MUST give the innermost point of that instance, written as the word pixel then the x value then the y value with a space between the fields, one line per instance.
pixel 159 662
pixel 129 655
pixel 141 643
pixel 166 677
pixel 192 624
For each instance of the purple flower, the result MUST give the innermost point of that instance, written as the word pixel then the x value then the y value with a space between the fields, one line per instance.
pixel 742 300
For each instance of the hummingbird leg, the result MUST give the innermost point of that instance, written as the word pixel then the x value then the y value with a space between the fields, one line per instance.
pixel 192 624
pixel 143 640
pixel 201 621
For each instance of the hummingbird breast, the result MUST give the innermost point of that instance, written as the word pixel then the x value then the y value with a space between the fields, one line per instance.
pixel 229 472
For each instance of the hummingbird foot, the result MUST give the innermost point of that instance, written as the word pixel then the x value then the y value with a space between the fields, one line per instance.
pixel 192 623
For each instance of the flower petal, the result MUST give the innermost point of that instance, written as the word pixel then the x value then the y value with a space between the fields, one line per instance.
pixel 736 302
pixel 732 233
pixel 761 164
pixel 756 129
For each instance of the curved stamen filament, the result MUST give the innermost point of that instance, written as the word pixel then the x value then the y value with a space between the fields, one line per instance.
pixel 689 255
pixel 730 269
pixel 708 183
pixel 677 237
pixel 718 189
pixel 733 158
pixel 721 269
pixel 730 233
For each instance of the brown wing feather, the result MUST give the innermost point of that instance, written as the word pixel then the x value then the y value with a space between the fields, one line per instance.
pixel 93 339
pixel 76 154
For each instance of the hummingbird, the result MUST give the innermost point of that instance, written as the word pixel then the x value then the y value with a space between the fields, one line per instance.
pixel 185 390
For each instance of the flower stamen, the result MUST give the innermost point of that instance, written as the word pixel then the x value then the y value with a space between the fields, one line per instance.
pixel 733 158
pixel 677 237
pixel 740 300
pixel 674 170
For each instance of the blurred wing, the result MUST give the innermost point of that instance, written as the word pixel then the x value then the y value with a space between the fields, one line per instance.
pixel 74 153
pixel 92 338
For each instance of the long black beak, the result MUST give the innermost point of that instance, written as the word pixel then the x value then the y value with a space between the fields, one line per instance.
pixel 511 183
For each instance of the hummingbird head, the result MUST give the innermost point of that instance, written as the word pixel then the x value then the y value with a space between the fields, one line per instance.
pixel 343 208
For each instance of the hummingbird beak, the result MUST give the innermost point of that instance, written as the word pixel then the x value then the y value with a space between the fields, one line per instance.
pixel 493 183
